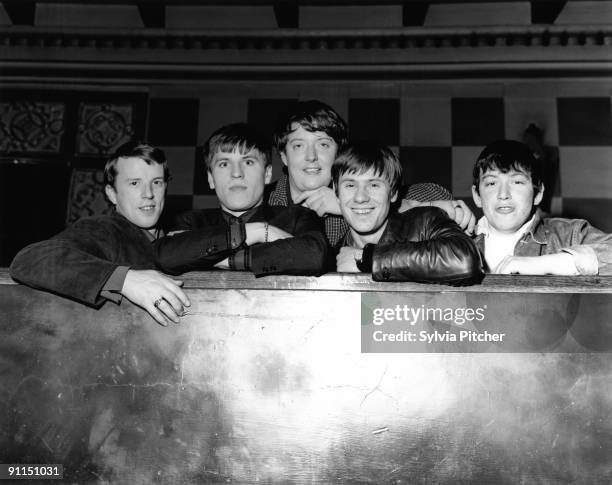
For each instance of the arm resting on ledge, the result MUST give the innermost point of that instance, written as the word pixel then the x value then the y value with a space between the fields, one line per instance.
pixel 305 253
pixel 77 262
pixel 211 241
pixel 198 249
pixel 424 245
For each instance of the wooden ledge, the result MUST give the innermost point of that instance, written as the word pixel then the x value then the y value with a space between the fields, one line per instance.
pixel 363 282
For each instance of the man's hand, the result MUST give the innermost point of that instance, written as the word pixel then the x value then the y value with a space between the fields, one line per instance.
pixel 561 264
pixel 160 295
pixel 346 261
pixel 256 233
pixel 457 210
pixel 322 200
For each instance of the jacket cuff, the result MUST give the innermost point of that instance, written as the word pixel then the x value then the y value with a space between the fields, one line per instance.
pixel 240 260
pixel 365 263
pixel 114 284
pixel 585 259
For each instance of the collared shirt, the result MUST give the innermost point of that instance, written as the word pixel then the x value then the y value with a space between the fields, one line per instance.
pixel 498 245
pixel 244 217
pixel 241 259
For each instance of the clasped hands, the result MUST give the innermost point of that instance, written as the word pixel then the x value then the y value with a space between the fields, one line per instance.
pixel 256 233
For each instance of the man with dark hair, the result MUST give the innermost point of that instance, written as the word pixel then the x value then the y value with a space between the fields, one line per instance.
pixel 513 236
pixel 421 244
pixel 308 137
pixel 245 233
pixel 107 257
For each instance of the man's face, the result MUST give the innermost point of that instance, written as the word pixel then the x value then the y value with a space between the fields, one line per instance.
pixel 239 179
pixel 309 157
pixel 139 191
pixel 365 200
pixel 506 199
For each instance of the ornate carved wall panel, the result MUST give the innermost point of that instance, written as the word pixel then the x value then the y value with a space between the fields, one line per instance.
pixel 86 197
pixel 31 127
pixel 103 128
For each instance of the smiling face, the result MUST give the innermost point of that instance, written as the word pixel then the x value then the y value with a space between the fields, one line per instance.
pixel 309 157
pixel 507 199
pixel 239 179
pixel 138 191
pixel 365 200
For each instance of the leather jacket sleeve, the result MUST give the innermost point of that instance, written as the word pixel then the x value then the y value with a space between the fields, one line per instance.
pixel 425 245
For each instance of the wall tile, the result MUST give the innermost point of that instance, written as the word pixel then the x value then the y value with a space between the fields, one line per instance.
pixel 173 121
pixel 462 166
pixel 375 119
pixel 586 172
pixel 584 121
pixel 427 164
pixel 477 121
pixel 425 121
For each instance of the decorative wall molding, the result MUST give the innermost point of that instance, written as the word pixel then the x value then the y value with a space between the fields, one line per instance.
pixel 161 55
pixel 295 39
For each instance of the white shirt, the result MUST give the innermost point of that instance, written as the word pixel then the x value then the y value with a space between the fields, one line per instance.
pixel 499 245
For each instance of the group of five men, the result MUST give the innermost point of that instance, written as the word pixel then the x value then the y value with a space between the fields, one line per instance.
pixel 337 207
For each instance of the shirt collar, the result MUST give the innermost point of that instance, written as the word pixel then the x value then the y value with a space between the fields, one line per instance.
pixel 245 217
pixel 159 232
pixel 483 227
pixel 348 240
pixel 288 191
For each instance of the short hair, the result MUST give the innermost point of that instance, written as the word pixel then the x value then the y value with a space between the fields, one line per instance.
pixel 138 149
pixel 243 136
pixel 360 157
pixel 506 155
pixel 312 115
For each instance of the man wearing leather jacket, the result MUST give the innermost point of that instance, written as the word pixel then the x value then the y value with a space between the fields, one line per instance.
pixel 422 244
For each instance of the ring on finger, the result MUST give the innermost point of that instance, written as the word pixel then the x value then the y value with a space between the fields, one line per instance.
pixel 158 302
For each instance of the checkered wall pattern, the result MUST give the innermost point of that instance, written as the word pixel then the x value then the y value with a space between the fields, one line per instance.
pixel 437 140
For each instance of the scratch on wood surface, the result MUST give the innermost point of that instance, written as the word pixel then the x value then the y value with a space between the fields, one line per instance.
pixel 46 444
pixel 380 430
pixel 310 329
pixel 376 388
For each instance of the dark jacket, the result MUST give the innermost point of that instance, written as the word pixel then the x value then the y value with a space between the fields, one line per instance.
pixel 212 236
pixel 78 261
pixel 424 245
